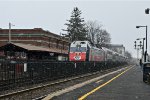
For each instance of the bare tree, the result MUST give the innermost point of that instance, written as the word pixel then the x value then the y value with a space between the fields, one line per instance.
pixel 97 35
pixel 128 54
pixel 105 37
pixel 93 28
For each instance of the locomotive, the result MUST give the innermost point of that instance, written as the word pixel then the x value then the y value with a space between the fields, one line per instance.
pixel 84 51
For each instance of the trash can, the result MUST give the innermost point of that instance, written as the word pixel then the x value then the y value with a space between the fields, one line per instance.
pixel 146 72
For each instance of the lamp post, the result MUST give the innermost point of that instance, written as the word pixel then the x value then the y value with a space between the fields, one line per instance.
pixel 69 43
pixel 146 41
pixel 142 47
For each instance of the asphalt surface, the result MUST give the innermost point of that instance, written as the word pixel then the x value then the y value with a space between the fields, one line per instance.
pixel 128 86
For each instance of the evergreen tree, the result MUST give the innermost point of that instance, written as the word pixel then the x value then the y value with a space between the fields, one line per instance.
pixel 76 28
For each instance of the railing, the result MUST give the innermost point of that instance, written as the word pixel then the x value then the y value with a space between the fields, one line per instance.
pixel 20 73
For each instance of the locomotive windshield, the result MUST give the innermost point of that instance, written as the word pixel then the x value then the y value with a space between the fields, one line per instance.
pixel 78 49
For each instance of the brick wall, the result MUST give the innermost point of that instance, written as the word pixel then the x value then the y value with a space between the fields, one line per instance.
pixel 37 36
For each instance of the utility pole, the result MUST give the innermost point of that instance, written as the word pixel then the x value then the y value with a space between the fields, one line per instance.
pixel 138 53
pixel 10 32
pixel 137 48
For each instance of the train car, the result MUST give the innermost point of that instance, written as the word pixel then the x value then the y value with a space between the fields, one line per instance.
pixel 111 55
pixel 108 54
pixel 84 51
pixel 97 54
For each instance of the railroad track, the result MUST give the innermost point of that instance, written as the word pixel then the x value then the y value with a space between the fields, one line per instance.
pixel 17 94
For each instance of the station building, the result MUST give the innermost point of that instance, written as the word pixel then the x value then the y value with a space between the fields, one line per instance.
pixel 33 44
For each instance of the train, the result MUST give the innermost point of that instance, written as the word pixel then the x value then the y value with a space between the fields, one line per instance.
pixel 84 51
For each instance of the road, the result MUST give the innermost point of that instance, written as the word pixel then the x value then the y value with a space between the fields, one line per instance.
pixel 125 84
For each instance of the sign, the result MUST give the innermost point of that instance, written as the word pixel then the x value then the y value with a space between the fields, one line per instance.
pixel 25 67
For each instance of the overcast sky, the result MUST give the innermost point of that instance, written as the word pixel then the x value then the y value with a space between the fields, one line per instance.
pixel 118 17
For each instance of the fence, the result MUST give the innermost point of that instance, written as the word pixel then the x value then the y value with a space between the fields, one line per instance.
pixel 17 73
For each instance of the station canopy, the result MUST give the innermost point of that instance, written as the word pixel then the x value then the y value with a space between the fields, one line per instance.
pixel 29 47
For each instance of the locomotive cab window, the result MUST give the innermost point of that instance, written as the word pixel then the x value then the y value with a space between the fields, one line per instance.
pixel 77 49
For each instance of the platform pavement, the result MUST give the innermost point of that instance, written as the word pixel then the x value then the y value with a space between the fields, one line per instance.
pixel 128 86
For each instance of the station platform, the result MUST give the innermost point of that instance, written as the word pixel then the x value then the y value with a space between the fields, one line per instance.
pixel 127 86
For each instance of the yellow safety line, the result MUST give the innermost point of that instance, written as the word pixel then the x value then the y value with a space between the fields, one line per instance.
pixel 94 90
